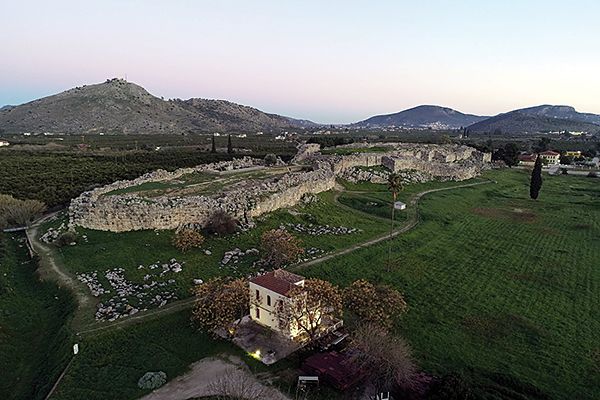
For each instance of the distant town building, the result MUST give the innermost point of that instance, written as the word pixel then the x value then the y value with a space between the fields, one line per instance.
pixel 4 143
pixel 550 157
pixel 266 291
pixel 572 153
pixel 527 159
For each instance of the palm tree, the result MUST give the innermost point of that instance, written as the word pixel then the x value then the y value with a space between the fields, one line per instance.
pixel 394 186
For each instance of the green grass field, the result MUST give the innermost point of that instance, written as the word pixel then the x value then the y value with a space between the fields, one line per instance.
pixel 106 250
pixel 501 288
pixel 35 344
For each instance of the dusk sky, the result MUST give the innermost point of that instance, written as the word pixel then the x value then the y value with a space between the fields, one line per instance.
pixel 328 61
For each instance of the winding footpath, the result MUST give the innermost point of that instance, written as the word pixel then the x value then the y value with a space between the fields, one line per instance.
pixel 85 301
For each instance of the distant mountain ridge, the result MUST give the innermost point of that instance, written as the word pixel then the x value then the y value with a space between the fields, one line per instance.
pixel 121 107
pixel 118 106
pixel 543 118
pixel 425 116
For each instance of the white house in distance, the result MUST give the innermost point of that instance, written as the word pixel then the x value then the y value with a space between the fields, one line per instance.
pixel 3 143
pixel 550 157
pixel 266 291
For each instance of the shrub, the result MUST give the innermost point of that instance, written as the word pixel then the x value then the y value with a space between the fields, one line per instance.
pixel 152 380
pixel 280 247
pixel 66 239
pixel 221 223
pixel 187 239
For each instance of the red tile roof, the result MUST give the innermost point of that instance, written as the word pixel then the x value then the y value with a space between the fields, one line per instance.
pixel 527 157
pixel 549 153
pixel 279 281
pixel 334 368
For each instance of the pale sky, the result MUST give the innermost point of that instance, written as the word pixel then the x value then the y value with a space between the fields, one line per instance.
pixel 328 61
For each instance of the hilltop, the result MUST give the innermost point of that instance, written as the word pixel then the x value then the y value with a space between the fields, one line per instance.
pixel 425 116
pixel 544 118
pixel 118 106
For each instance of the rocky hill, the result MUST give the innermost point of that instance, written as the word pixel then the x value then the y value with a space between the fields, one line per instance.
pixel 544 118
pixel 118 106
pixel 426 116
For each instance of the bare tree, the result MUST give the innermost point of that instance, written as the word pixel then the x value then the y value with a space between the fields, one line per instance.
pixel 309 308
pixel 388 359
pixel 239 385
pixel 15 212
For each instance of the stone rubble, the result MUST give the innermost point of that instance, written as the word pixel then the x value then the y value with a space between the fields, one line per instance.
pixel 234 256
pixel 129 297
pixel 318 230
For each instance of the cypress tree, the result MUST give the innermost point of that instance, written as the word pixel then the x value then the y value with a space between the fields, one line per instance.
pixel 214 145
pixel 536 179
pixel 229 145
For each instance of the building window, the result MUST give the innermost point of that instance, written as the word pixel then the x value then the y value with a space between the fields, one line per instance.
pixel 268 300
pixel 257 295
pixel 257 313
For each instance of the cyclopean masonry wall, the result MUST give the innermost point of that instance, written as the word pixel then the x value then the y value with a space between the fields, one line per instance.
pixel 253 197
pixel 243 200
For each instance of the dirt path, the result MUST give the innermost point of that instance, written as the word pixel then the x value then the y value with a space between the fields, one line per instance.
pixel 49 269
pixel 206 376
pixel 412 221
pixel 50 266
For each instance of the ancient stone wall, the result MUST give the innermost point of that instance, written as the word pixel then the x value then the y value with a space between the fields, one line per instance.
pixel 129 212
pixel 247 199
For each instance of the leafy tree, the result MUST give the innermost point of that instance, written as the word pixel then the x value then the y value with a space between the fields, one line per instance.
pixel 229 145
pixel 15 212
pixel 565 159
pixel 187 239
pixel 279 247
pixel 213 148
pixel 511 154
pixel 220 302
pixel 394 186
pixel 374 304
pixel 270 159
pixel 221 223
pixel 387 359
pixel 542 145
pixel 317 303
pixel 536 179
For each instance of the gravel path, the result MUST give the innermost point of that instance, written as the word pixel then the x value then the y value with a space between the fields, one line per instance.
pixel 207 375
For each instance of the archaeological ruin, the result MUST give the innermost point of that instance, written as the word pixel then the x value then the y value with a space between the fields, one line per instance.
pixel 246 188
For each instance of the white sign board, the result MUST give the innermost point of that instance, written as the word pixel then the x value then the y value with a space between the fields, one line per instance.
pixel 75 348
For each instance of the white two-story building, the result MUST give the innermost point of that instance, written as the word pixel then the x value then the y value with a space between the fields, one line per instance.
pixel 266 291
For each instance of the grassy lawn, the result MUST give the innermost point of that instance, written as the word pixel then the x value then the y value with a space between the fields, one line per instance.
pixel 501 288
pixel 110 364
pixel 106 250
pixel 35 345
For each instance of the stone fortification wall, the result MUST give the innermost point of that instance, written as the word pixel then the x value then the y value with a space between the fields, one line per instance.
pixel 446 162
pixel 251 198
